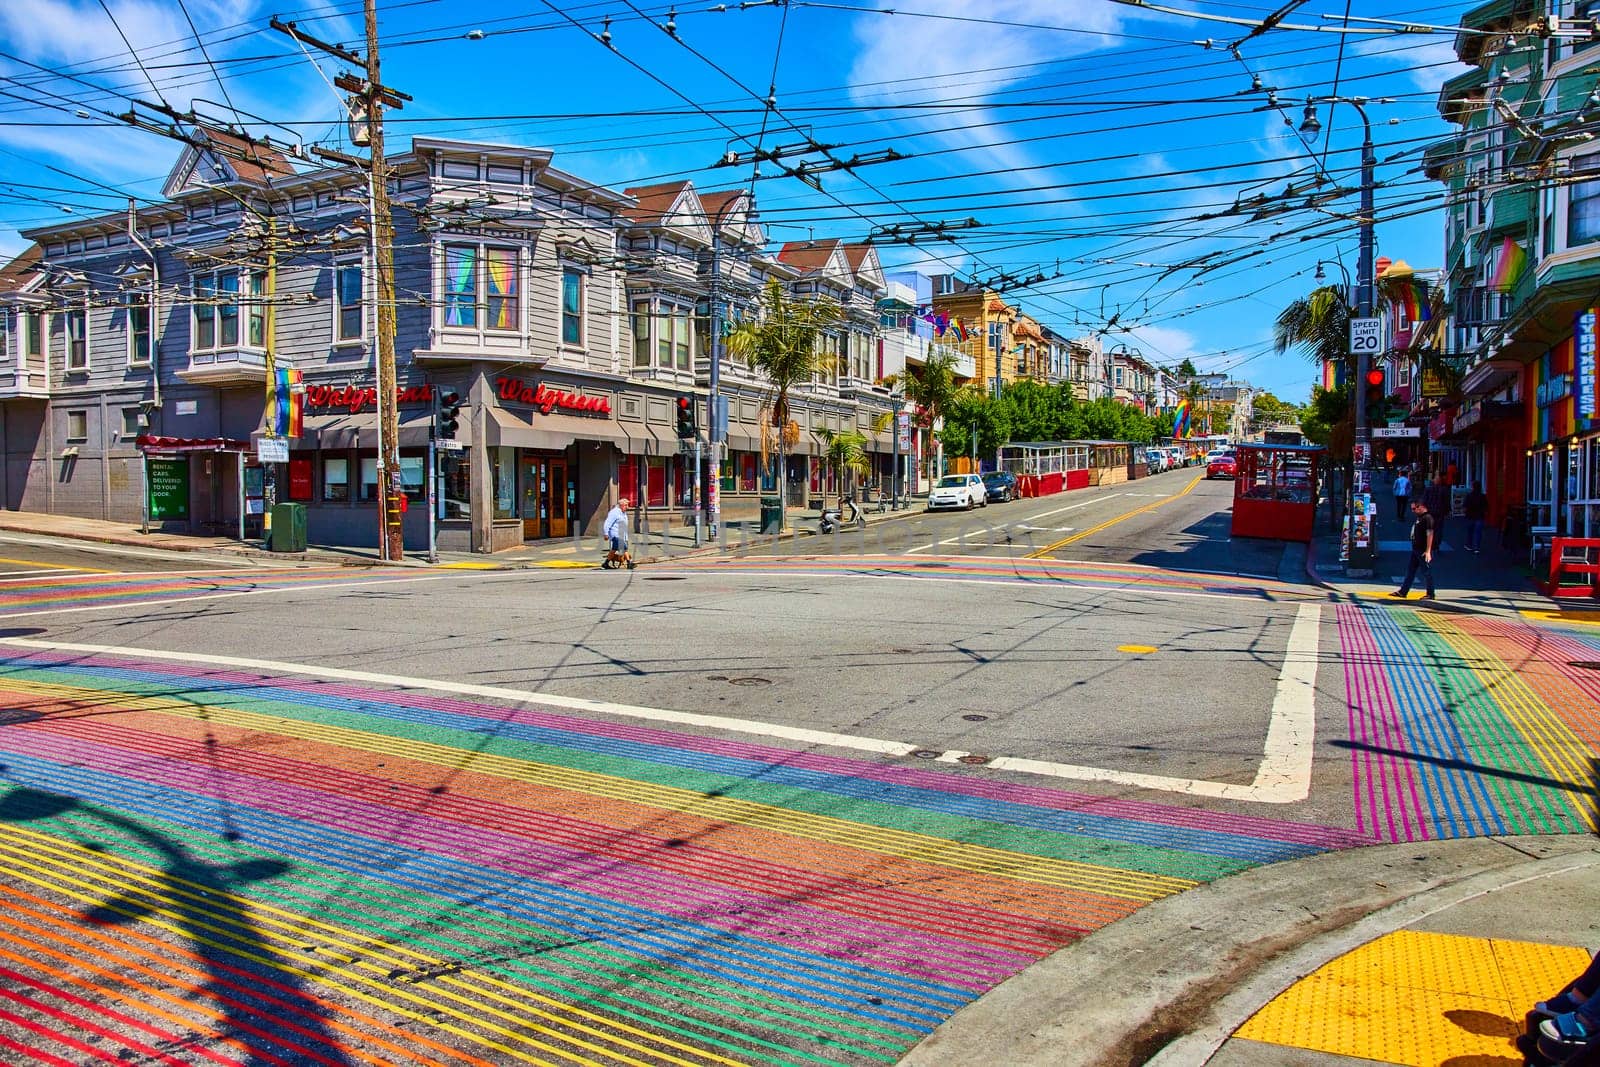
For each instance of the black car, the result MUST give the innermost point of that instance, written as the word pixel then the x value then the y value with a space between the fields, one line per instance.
pixel 1000 486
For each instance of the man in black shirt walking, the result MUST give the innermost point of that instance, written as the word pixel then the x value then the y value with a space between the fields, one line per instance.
pixel 1421 551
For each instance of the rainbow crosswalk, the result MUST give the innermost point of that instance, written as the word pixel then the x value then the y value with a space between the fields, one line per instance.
pixel 76 592
pixel 275 868
pixel 1469 724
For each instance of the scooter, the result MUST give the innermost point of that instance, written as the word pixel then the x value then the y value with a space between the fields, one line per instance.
pixel 833 520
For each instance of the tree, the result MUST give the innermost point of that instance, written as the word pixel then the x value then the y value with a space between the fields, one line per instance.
pixel 930 391
pixel 846 453
pixel 1186 369
pixel 781 343
pixel 974 409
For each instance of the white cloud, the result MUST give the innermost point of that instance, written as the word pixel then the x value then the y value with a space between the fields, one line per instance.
pixel 942 55
pixel 1164 345
pixel 1428 65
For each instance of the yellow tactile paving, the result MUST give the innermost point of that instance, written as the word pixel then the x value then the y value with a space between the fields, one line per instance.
pixel 1418 998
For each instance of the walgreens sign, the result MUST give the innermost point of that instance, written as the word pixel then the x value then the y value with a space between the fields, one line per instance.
pixel 541 396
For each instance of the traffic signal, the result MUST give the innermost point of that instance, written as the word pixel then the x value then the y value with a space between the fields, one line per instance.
pixel 448 416
pixel 1377 407
pixel 687 431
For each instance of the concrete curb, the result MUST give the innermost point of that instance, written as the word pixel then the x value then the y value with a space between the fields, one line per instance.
pixel 1201 962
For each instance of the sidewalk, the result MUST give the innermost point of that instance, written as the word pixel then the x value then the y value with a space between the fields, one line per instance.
pixel 1425 954
pixel 650 545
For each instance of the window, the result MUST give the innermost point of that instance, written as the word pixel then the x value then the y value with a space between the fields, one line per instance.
pixel 132 423
pixel 216 310
pixel 77 427
pixel 369 478
pixel 138 312
pixel 257 327
pixel 460 285
pixel 571 307
pixel 349 317
pixel 482 288
pixel 76 330
pixel 1583 202
pixel 33 329
pixel 335 478
pixel 641 333
pixel 412 470
pixel 501 286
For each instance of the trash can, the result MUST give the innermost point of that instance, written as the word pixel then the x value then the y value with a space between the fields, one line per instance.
pixel 771 514
pixel 288 528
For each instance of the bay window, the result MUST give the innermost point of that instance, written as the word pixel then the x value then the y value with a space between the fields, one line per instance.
pixel 33 332
pixel 673 327
pixel 1583 202
pixel 641 333
pixel 216 306
pixel 482 287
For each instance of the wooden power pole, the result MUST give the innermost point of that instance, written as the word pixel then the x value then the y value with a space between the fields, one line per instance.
pixel 375 96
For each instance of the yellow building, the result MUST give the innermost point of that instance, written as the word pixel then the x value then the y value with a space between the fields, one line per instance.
pixel 989 323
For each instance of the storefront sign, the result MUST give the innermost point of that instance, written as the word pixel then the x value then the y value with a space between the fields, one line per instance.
pixel 353 398
pixel 169 488
pixel 1586 344
pixel 547 400
pixel 902 423
pixel 1469 416
pixel 1553 391
pixel 272 449
pixel 1433 383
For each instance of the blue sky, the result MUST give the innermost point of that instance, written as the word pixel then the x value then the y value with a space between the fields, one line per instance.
pixel 1105 148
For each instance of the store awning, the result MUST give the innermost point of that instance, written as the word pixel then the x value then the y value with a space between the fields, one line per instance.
pixel 360 430
pixel 171 445
pixel 554 431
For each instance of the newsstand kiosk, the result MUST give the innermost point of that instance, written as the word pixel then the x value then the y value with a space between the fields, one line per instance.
pixel 1275 491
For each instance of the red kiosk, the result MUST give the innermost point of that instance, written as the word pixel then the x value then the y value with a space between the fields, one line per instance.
pixel 1275 491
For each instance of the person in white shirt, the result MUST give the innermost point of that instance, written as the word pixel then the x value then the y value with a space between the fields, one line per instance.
pixel 615 531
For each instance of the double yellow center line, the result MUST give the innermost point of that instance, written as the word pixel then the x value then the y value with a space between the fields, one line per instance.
pixel 1081 534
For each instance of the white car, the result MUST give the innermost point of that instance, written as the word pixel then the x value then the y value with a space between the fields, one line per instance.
pixel 958 491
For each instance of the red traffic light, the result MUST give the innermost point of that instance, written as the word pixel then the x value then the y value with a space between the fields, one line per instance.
pixel 683 403
pixel 1375 377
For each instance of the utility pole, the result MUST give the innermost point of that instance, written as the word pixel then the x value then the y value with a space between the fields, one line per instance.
pixel 392 541
pixel 713 487
pixel 375 96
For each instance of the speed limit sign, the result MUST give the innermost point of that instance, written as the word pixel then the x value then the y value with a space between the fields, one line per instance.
pixel 1364 337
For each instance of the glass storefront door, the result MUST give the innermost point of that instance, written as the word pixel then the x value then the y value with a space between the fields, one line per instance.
pixel 547 496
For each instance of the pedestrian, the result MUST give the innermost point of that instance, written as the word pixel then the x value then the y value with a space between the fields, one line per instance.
pixel 615 531
pixel 1567 1024
pixel 1475 508
pixel 1436 498
pixel 1402 495
pixel 1421 551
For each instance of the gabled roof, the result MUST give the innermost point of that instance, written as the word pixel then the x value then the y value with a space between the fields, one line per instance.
pixel 21 271
pixel 654 202
pixel 810 255
pixel 729 210
pixel 217 157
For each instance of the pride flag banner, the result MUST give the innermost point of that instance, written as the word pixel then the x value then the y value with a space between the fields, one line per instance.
pixel 1510 262
pixel 1180 419
pixel 288 403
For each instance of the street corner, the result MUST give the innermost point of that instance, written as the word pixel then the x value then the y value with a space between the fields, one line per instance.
pixel 1419 998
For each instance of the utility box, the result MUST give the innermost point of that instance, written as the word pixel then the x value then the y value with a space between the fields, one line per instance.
pixel 288 528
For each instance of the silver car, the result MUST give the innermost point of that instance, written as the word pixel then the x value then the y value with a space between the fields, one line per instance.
pixel 958 491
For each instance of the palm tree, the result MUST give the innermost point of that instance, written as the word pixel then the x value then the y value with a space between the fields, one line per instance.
pixel 846 453
pixel 782 345
pixel 931 391
pixel 1318 325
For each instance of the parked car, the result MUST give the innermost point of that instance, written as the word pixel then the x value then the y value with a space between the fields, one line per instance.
pixel 1175 457
pixel 958 491
pixel 1155 460
pixel 1000 486
pixel 1222 465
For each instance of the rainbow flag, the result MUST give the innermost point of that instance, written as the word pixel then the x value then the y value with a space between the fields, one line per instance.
pixel 1509 265
pixel 1180 419
pixel 961 330
pixel 288 403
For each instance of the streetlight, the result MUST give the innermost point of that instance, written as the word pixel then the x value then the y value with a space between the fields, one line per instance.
pixel 1361 556
pixel 1322 275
